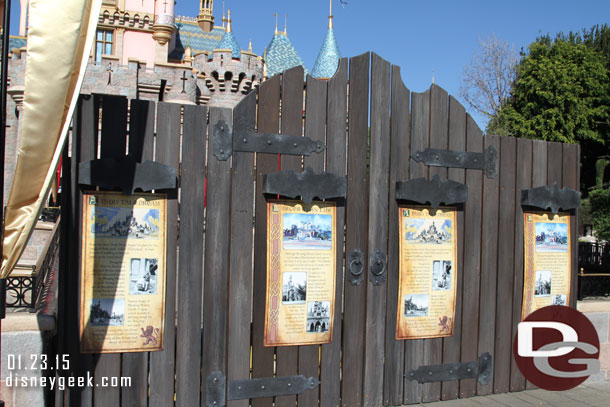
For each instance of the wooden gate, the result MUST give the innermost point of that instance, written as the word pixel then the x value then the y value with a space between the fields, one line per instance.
pixel 216 251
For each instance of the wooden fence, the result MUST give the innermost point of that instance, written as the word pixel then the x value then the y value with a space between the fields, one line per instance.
pixel 215 300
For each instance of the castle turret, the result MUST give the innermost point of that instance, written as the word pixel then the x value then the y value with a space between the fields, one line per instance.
pixel 280 54
pixel 205 19
pixel 164 21
pixel 227 73
pixel 328 59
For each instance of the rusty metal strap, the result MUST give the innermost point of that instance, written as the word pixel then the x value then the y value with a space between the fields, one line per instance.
pixel 480 369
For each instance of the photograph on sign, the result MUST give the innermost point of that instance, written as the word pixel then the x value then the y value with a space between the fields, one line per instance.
pixel 301 272
pixel 427 272
pixel 123 272
pixel 547 260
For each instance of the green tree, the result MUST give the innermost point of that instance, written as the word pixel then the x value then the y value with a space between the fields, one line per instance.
pixel 561 93
pixel 599 200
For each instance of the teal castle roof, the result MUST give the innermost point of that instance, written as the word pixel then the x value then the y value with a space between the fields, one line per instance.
pixel 230 42
pixel 188 33
pixel 280 55
pixel 16 42
pixel 328 59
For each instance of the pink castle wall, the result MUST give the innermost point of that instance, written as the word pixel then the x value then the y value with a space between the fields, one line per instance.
pixel 146 6
pixel 138 45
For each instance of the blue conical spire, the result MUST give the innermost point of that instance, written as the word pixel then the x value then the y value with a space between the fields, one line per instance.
pixel 280 54
pixel 328 58
pixel 229 41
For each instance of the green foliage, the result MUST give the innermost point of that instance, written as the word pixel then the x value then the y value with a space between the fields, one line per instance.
pixel 562 93
pixel 599 200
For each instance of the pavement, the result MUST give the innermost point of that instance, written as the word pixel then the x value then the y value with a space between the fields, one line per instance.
pixel 587 394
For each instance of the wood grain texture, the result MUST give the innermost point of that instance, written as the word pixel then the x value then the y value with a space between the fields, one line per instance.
pixel 524 181
pixel 472 258
pixel 539 178
pixel 377 229
pixel 162 363
pixel 439 123
pixel 216 278
pixel 420 122
pixel 399 171
pixel 84 148
pixel 356 230
pixel 489 265
pixel 452 344
pixel 506 245
pixel 571 179
pixel 315 129
pixel 268 121
pixel 336 142
pixel 240 277
pixel 113 144
pixel 287 357
pixel 141 144
pixel 190 272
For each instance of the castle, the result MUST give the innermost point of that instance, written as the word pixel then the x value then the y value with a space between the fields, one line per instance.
pixel 143 51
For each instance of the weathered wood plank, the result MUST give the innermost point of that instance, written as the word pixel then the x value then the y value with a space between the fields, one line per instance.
pixel 268 121
pixel 524 181
pixel 113 143
pixel 378 229
pixel 506 246
pixel 84 148
pixel 539 178
pixel 420 122
pixel 472 258
pixel 190 273
pixel 356 232
pixel 399 171
pixel 141 142
pixel 489 265
pixel 216 278
pixel 336 142
pixel 292 125
pixel 452 344
pixel 240 277
pixel 555 164
pixel 162 363
pixel 439 123
pixel 571 179
pixel 315 128
pixel 114 126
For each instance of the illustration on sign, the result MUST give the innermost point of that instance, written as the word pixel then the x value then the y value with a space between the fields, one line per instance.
pixel 301 268
pixel 428 272
pixel 123 272
pixel 547 260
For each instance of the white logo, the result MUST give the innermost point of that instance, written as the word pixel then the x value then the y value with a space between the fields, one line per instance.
pixel 569 342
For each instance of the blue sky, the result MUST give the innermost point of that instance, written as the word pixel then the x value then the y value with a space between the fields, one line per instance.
pixel 419 36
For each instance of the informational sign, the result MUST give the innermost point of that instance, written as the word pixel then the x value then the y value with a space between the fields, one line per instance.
pixel 123 272
pixel 301 270
pixel 428 272
pixel 547 260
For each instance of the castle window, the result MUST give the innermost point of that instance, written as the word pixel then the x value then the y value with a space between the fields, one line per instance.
pixel 103 44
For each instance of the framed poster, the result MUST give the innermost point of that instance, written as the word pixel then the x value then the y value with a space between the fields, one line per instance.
pixel 301 272
pixel 547 260
pixel 123 272
pixel 427 272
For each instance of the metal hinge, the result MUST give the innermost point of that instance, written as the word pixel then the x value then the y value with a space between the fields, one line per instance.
pixel 225 141
pixel 479 369
pixel 487 161
pixel 254 388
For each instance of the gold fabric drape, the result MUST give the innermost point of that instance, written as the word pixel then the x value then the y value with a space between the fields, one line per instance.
pixel 60 37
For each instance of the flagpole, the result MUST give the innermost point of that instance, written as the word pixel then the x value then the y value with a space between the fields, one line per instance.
pixel 4 75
